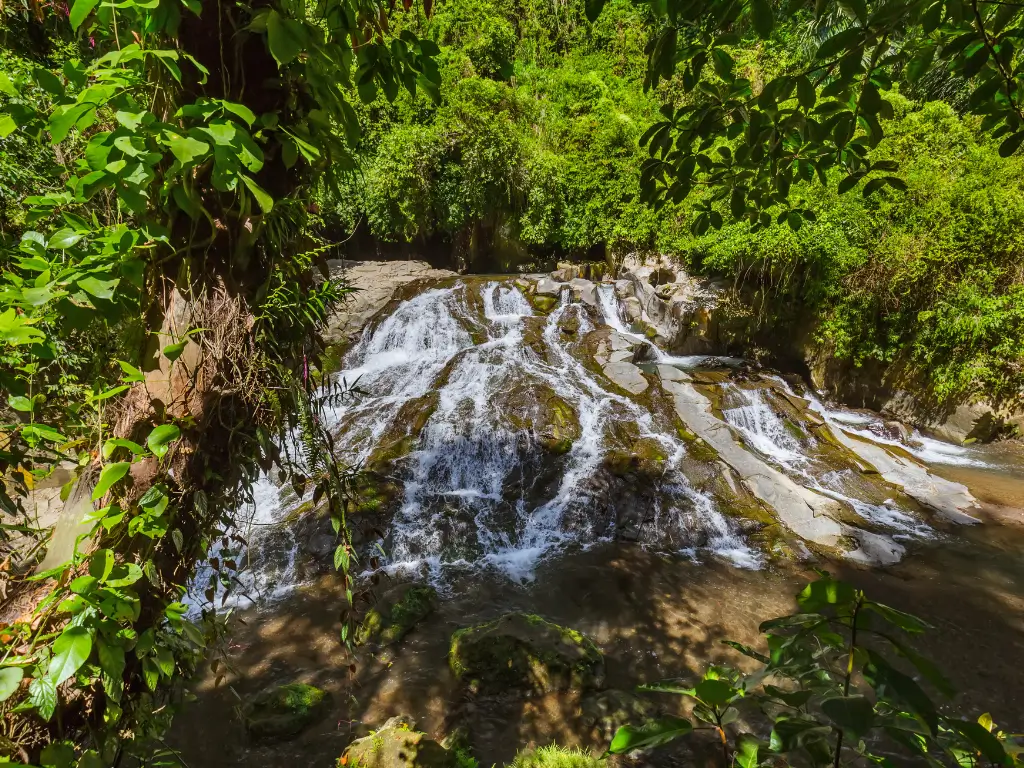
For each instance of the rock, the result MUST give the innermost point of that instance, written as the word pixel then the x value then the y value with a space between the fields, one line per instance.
pixel 618 341
pixel 396 613
pixel 608 711
pixel 548 287
pixel 627 376
pixel 285 711
pixel 584 290
pixel 397 745
pixel 543 303
pixel 671 373
pixel 976 422
pixel 377 282
pixel 624 289
pixel 632 309
pixel 521 650
pixel 569 324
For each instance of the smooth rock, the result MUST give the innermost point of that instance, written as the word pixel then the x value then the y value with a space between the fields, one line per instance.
pixel 627 376
pixel 548 287
pixel 671 373
pixel 584 290
pixel 618 341
pixel 521 650
pixel 632 309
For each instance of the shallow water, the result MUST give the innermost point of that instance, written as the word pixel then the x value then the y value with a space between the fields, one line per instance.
pixel 657 606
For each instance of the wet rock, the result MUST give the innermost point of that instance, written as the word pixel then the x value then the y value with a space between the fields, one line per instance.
pixel 618 341
pixel 397 745
pixel 569 324
pixel 671 373
pixel 624 289
pixel 543 303
pixel 522 650
pixel 584 290
pixel 627 376
pixel 548 287
pixel 396 613
pixel 285 711
pixel 632 309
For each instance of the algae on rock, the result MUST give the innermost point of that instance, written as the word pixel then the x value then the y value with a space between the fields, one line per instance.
pixel 395 614
pixel 522 650
pixel 284 711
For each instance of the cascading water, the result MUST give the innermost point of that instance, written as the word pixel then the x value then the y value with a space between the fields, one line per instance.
pixel 503 443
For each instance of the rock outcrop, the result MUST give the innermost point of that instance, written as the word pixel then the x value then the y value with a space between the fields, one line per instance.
pixel 524 651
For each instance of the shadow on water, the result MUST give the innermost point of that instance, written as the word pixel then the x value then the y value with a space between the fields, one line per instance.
pixel 654 617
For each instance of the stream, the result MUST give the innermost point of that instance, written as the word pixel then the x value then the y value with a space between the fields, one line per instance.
pixel 546 456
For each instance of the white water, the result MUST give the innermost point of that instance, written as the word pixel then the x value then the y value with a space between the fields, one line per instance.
pixel 478 488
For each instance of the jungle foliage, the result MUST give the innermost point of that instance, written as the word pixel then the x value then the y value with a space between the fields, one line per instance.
pixel 532 154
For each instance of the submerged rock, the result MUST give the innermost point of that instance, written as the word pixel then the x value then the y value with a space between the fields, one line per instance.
pixel 397 745
pixel 285 711
pixel 522 650
pixel 396 613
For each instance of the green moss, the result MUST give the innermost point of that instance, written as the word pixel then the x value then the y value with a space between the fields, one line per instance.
pixel 543 303
pixel 285 710
pixel 396 614
pixel 554 756
pixel 525 650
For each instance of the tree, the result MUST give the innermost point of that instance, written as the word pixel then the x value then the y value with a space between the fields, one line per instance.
pixel 823 113
pixel 158 316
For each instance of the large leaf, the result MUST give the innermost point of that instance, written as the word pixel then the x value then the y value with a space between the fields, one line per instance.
pixel 266 202
pixel 110 475
pixel 42 694
pixel 653 733
pixel 593 9
pixel 101 289
pixel 63 120
pixel 286 38
pixel 111 668
pixel 80 10
pixel 70 651
pixel 714 692
pixel 762 17
pixel 160 439
pixel 852 713
pixel 10 680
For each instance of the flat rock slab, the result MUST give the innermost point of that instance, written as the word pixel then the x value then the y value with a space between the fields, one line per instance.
pixel 627 376
pixel 548 287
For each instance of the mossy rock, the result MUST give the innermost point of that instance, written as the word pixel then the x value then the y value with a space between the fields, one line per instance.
pixel 284 711
pixel 543 303
pixel 521 650
pixel 395 614
pixel 397 745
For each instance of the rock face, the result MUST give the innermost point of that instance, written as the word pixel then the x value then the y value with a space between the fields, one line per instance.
pixel 626 375
pixel 285 711
pixel 397 745
pixel 521 650
pixel 377 282
pixel 396 613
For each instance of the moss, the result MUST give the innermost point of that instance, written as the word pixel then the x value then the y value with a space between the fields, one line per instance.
pixel 554 756
pixel 396 745
pixel 543 303
pixel 398 611
pixel 285 710
pixel 525 650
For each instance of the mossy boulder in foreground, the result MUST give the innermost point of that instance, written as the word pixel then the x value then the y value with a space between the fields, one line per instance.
pixel 521 650
pixel 398 611
pixel 397 745
pixel 284 711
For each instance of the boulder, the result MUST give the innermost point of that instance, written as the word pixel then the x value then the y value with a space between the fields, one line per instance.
pixel 607 711
pixel 543 303
pixel 671 373
pixel 627 376
pixel 397 611
pixel 284 711
pixel 584 290
pixel 397 745
pixel 522 650
pixel 623 289
pixel 548 287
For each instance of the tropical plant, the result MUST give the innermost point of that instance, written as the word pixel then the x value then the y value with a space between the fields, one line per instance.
pixel 840 685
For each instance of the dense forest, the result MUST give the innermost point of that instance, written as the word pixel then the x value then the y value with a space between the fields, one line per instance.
pixel 533 155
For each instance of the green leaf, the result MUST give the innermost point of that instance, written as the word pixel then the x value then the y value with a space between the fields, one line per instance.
pixel 762 17
pixel 747 748
pixel 842 42
pixel 80 10
pixel 132 374
pixel 1011 144
pixel 173 351
pixel 341 558
pixel 240 110
pixel 714 692
pixel 111 668
pixel 986 743
pixel 10 681
pixel 110 475
pixel 286 38
pixel 905 621
pixel 265 201
pixel 7 125
pixel 160 439
pixel 63 239
pixel 101 563
pixel 186 149
pixel 884 678
pixel 57 755
pixel 63 120
pixel 20 403
pixel 70 651
pixel 165 661
pixel 653 733
pixel 36 432
pixel 825 591
pixel 6 86
pixel 124 575
pixel 42 695
pixel 101 289
pixel 852 713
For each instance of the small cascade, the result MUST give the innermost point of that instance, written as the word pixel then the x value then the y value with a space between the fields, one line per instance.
pixel 497 441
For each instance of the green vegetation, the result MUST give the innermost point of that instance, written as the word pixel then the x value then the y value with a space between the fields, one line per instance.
pixel 831 692
pixel 285 710
pixel 554 756
pixel 537 159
